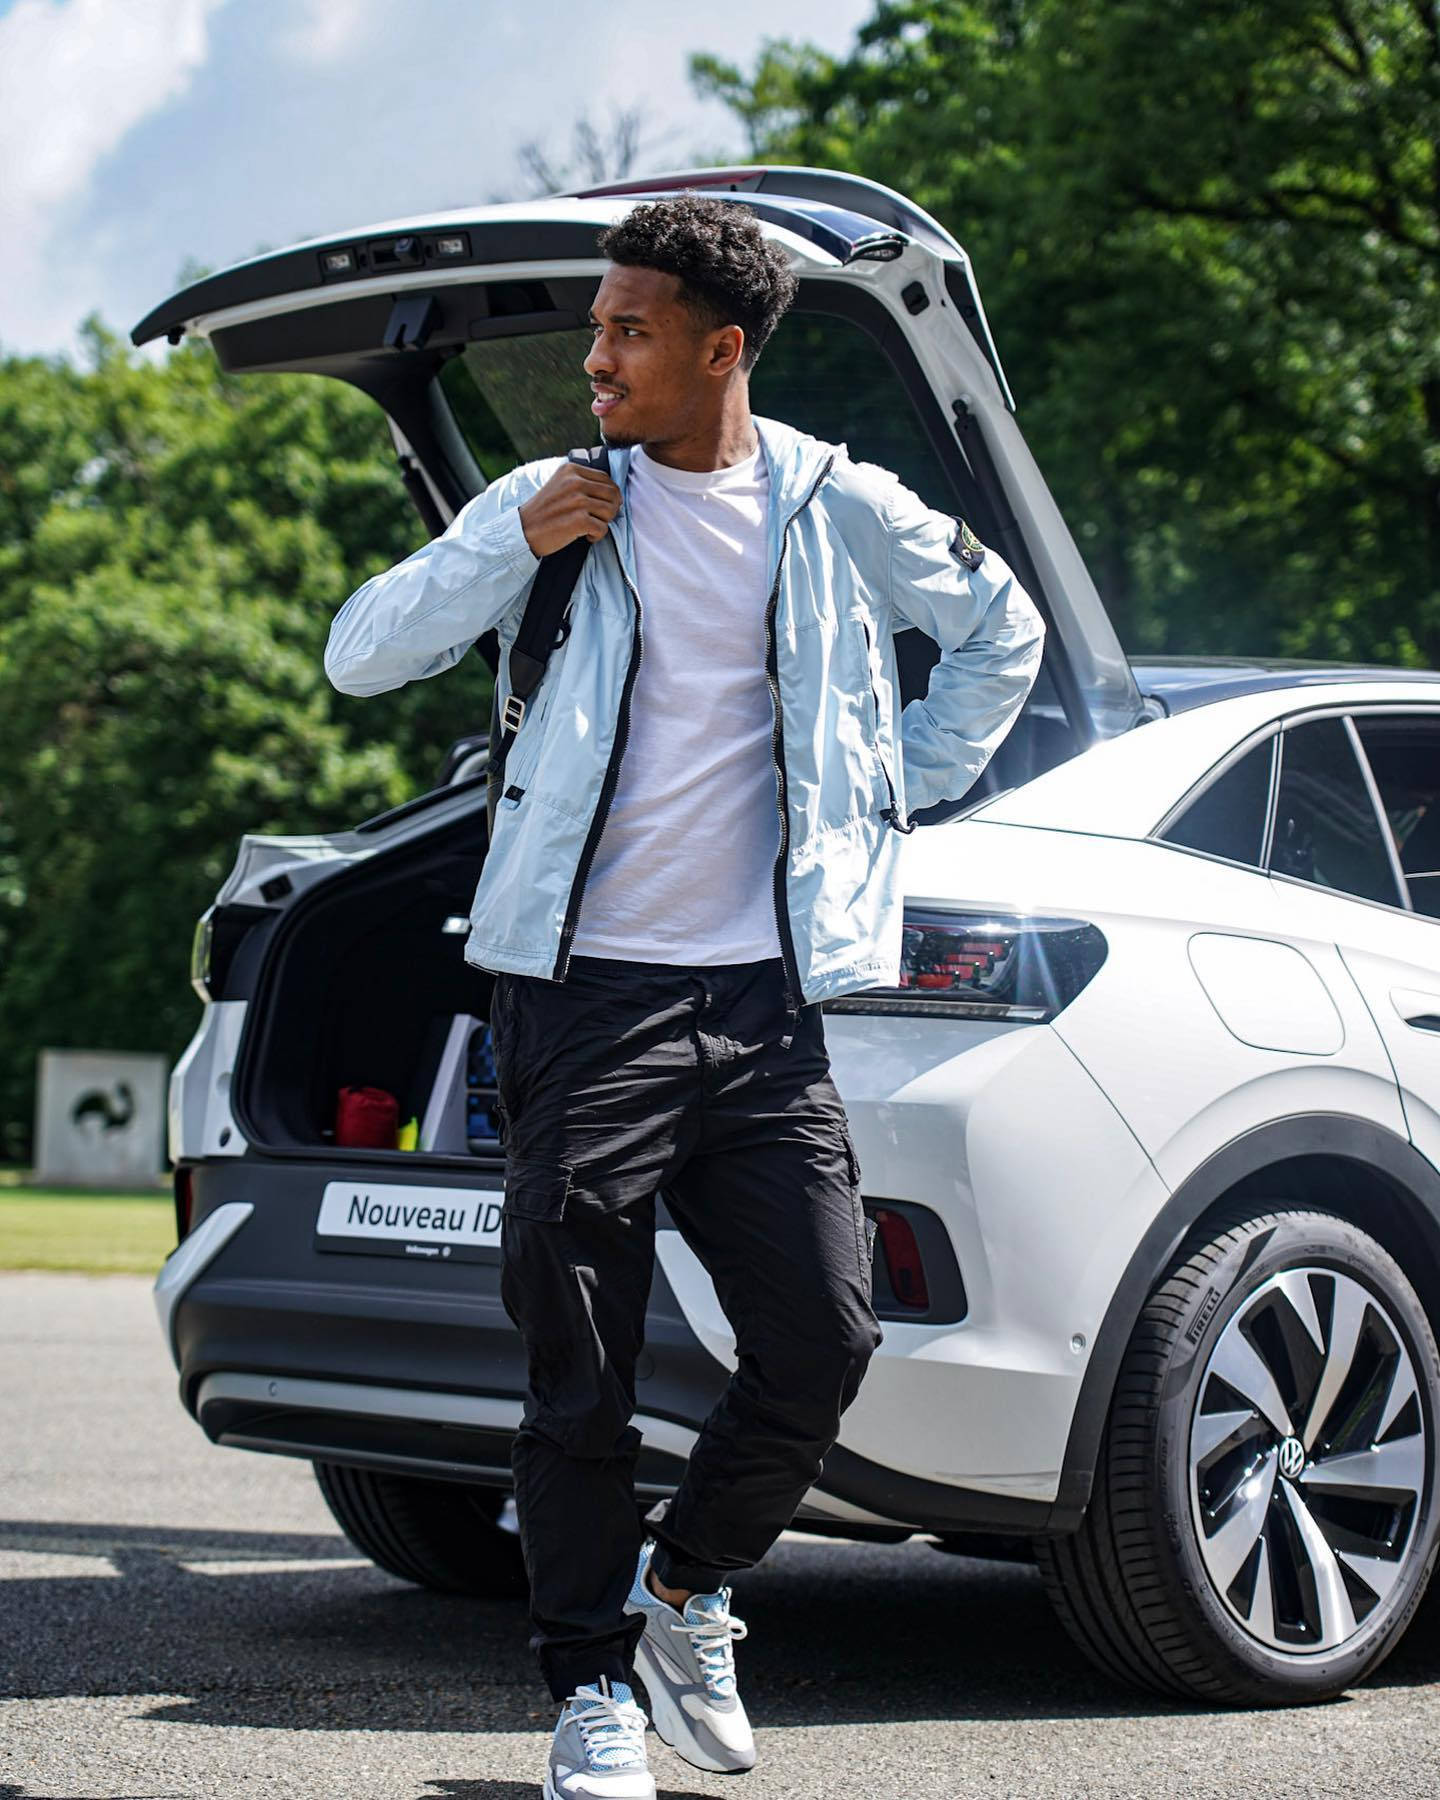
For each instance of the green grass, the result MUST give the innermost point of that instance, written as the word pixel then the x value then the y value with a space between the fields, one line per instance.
pixel 100 1234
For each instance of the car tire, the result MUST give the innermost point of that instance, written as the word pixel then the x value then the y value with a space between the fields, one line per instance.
pixel 442 1535
pixel 1263 1522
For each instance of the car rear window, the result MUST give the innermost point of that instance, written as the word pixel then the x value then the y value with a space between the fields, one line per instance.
pixel 517 399
pixel 827 376
pixel 520 398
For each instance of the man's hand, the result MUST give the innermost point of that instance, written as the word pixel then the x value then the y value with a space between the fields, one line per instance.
pixel 575 502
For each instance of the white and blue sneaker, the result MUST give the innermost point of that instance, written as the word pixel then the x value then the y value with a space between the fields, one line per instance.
pixel 599 1747
pixel 687 1663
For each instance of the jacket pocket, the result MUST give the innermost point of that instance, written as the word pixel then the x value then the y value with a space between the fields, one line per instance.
pixel 536 1189
pixel 524 754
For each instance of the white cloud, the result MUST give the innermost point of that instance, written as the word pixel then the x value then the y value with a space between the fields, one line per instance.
pixel 75 77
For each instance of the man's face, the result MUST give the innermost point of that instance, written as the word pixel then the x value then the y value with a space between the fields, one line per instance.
pixel 653 363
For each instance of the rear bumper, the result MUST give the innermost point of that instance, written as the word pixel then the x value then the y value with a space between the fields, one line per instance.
pixel 381 1360
pixel 390 1362
pixel 455 1437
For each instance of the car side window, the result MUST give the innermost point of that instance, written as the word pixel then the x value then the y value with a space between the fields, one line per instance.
pixel 1404 755
pixel 1326 827
pixel 1228 818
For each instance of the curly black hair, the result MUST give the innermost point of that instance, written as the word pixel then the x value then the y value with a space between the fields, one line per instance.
pixel 729 273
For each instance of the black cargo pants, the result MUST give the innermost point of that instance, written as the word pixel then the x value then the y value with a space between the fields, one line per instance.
pixel 625 1079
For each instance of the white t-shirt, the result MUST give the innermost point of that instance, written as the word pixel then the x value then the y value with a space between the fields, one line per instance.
pixel 684 869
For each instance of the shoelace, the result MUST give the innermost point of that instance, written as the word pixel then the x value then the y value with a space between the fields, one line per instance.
pixel 714 1640
pixel 611 1729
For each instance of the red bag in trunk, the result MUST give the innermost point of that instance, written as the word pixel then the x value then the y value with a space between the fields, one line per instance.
pixel 366 1118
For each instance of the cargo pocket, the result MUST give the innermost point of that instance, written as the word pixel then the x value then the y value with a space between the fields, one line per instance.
pixel 864 1229
pixel 872 1233
pixel 535 1189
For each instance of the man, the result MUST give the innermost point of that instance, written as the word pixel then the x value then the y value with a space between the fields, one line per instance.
pixel 697 844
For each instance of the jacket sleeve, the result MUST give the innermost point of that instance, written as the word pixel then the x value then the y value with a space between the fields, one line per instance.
pixel 990 637
pixel 422 615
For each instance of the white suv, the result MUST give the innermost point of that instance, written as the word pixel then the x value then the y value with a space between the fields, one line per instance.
pixel 1148 1133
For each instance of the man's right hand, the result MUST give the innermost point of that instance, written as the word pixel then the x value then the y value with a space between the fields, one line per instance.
pixel 577 501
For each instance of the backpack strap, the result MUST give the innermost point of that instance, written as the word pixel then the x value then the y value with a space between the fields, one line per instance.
pixel 544 626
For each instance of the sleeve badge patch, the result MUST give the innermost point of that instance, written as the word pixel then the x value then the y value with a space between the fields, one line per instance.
pixel 965 547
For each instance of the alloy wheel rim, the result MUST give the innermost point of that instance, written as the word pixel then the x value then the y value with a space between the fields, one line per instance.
pixel 1308 1460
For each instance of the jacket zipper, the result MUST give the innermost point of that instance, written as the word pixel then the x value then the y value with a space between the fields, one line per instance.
pixel 607 790
pixel 777 751
pixel 892 811
pixel 777 748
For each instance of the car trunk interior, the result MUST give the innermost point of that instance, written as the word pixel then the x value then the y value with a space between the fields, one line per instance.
pixel 363 987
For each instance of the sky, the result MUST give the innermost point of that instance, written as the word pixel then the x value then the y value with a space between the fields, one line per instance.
pixel 142 137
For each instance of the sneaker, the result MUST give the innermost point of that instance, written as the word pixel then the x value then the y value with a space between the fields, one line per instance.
pixel 687 1663
pixel 599 1747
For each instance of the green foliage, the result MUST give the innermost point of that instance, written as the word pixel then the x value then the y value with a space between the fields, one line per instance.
pixel 1208 236
pixel 173 544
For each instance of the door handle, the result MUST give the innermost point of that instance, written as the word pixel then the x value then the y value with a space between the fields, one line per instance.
pixel 1419 1010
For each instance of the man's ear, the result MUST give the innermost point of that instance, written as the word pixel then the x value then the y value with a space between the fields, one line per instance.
pixel 727 346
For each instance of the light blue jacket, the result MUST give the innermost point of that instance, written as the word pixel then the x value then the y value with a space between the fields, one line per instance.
pixel 856 557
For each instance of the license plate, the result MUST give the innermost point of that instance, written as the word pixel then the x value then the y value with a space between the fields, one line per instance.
pixel 431 1224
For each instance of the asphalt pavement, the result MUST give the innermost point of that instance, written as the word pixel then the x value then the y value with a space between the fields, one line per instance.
pixel 179 1620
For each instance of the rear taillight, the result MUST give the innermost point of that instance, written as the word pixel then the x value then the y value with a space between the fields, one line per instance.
pixel 184 1201
pixel 986 965
pixel 902 1259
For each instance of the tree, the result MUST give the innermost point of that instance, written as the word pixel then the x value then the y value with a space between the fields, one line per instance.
pixel 173 544
pixel 597 153
pixel 1208 235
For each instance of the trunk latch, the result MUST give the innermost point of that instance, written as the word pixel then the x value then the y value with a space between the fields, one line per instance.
pixel 412 318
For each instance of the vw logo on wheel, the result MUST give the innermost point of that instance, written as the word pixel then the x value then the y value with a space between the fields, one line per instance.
pixel 1292 1458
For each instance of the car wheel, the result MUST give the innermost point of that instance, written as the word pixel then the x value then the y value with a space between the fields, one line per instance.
pixel 1263 1522
pixel 443 1535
